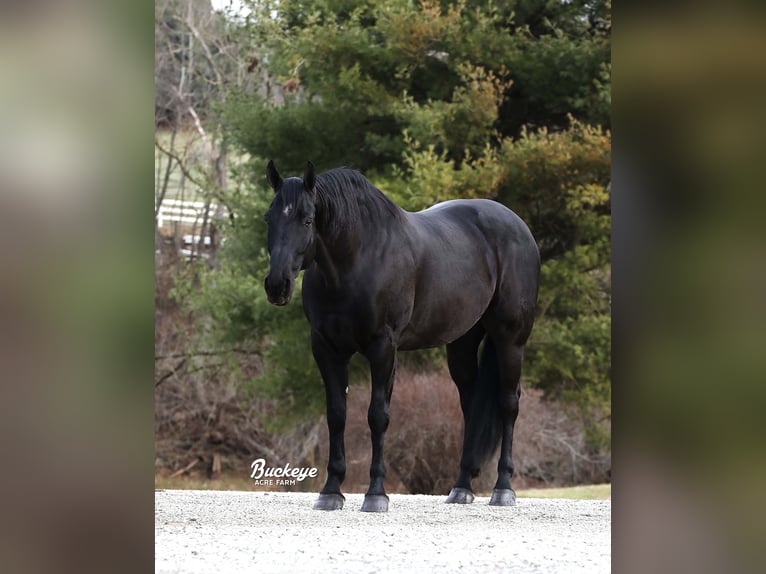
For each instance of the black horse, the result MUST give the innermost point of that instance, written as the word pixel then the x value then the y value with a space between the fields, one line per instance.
pixel 379 279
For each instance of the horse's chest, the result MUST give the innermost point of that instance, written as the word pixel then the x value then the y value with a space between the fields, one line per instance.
pixel 344 319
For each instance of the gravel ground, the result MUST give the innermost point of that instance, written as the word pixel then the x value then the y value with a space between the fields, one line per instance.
pixel 220 531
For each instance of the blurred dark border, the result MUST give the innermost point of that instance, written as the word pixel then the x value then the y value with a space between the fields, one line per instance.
pixel 689 279
pixel 76 286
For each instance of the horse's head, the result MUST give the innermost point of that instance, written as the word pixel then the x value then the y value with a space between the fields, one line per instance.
pixel 291 231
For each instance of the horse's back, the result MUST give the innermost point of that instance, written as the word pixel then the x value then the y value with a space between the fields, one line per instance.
pixel 494 219
pixel 503 232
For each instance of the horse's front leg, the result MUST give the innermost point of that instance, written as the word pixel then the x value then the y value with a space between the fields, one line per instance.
pixel 382 357
pixel 334 370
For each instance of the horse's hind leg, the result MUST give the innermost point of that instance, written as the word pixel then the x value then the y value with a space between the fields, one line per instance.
pixel 509 359
pixel 463 365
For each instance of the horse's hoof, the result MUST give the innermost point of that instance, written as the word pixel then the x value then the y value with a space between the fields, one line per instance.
pixel 375 503
pixel 503 497
pixel 460 495
pixel 329 502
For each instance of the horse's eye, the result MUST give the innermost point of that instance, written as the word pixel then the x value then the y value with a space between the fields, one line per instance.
pixel 308 222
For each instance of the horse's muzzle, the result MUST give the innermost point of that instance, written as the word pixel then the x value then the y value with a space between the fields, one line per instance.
pixel 278 290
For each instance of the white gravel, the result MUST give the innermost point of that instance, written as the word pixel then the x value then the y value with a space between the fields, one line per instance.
pixel 220 531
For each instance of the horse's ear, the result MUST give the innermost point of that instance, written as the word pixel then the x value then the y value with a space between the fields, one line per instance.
pixel 275 181
pixel 309 179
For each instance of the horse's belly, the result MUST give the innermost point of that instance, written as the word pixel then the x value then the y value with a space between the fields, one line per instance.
pixel 435 325
pixel 411 340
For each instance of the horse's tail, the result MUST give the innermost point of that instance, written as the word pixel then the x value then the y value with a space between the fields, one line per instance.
pixel 484 423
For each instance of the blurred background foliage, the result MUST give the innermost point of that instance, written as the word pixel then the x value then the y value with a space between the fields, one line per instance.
pixel 431 101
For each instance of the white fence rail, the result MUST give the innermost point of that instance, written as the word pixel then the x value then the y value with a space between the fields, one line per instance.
pixel 191 214
pixel 175 210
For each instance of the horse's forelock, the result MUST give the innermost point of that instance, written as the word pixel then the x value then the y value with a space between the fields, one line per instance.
pixel 293 191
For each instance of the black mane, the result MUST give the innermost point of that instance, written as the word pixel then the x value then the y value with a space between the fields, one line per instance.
pixel 347 201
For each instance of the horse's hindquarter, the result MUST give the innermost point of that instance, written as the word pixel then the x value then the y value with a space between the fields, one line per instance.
pixel 463 259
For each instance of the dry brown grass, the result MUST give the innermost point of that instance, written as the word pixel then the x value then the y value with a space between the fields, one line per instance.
pixel 424 440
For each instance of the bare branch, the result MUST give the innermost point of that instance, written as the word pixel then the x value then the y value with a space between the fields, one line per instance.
pixel 187 468
pixel 166 180
pixel 179 161
pixel 198 125
pixel 253 445
pixel 179 367
pixel 216 353
pixel 170 373
pixel 206 50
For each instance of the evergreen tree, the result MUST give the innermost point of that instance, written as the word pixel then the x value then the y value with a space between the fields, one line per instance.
pixel 433 101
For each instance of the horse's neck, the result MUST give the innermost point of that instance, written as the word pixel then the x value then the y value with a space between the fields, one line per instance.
pixel 339 251
pixel 326 263
pixel 335 256
pixel 338 247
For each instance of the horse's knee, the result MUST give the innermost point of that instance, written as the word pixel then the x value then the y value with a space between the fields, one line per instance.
pixel 377 418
